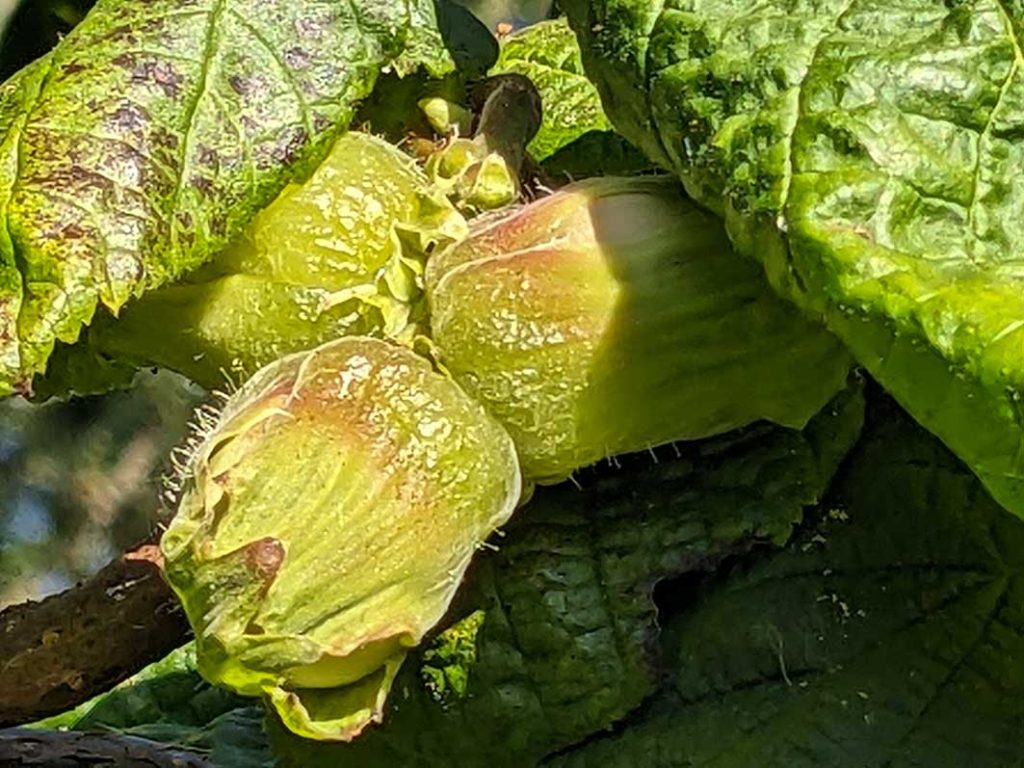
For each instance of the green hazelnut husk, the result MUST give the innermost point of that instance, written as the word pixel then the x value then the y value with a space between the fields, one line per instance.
pixel 340 254
pixel 325 524
pixel 613 316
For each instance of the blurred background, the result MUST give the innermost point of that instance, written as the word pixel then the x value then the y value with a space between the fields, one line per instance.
pixel 80 480
pixel 516 13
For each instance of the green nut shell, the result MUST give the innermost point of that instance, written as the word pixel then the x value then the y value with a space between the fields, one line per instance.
pixel 340 254
pixel 613 316
pixel 326 523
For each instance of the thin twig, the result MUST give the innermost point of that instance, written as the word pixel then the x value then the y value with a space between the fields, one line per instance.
pixel 62 651
pixel 60 749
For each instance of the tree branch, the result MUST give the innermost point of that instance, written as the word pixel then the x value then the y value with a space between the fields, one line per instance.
pixel 70 749
pixel 60 652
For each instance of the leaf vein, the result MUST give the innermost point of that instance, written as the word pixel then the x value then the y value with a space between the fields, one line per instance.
pixel 192 110
pixel 952 673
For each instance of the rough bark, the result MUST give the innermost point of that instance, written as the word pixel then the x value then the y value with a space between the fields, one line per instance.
pixel 59 652
pixel 70 749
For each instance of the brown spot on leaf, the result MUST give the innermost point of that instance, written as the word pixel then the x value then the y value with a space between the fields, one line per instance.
pixel 164 138
pixel 166 76
pixel 74 178
pixel 73 231
pixel 310 27
pixel 206 156
pixel 250 125
pixel 248 85
pixel 203 184
pixel 321 122
pixel 161 73
pixel 239 84
pixel 129 117
pixel 219 225
pixel 152 25
pixel 73 67
pixel 124 61
pixel 297 58
pixel 184 219
pixel 122 33
pixel 283 151
pixel 290 146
